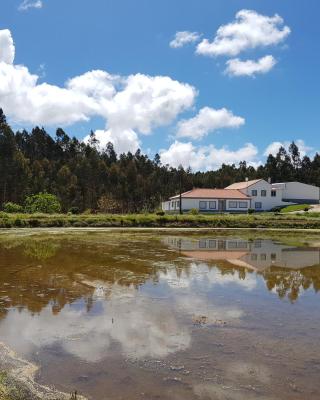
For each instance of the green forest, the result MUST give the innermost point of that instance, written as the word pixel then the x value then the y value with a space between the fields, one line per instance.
pixel 85 178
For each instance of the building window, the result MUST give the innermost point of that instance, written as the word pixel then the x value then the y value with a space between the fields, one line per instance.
pixel 263 257
pixel 273 256
pixel 202 205
pixel 258 205
pixel 212 244
pixel 273 193
pixel 178 204
pixel 243 204
pixel 172 204
pixel 212 205
pixel 254 193
pixel 254 257
pixel 263 193
pixel 202 244
pixel 233 204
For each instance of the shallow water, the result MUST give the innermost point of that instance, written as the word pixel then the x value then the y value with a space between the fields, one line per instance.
pixel 118 315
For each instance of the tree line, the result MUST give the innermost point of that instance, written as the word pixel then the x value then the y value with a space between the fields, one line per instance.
pixel 84 177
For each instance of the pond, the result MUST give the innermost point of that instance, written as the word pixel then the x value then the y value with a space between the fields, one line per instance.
pixel 171 315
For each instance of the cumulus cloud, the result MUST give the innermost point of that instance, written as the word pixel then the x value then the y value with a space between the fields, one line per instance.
pixel 27 4
pixel 207 157
pixel 147 102
pixel 130 105
pixel 236 67
pixel 7 49
pixel 184 37
pixel 208 120
pixel 250 30
pixel 274 147
pixel 122 140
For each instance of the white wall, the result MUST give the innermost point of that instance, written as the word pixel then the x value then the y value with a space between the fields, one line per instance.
pixel 299 191
pixel 267 202
pixel 188 204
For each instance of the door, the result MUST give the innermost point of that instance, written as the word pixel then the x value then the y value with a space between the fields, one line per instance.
pixel 222 205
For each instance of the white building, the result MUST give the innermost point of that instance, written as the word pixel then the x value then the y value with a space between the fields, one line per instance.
pixel 209 200
pixel 297 192
pixel 263 195
pixel 257 194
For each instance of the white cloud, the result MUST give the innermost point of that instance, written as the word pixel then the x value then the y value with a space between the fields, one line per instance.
pixel 122 140
pixel 249 30
pixel 7 49
pixel 147 102
pixel 97 84
pixel 27 4
pixel 184 37
pixel 208 120
pixel 207 157
pixel 273 147
pixel 130 105
pixel 236 67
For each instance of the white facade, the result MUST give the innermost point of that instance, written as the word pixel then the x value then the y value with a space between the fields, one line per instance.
pixel 207 205
pixel 297 192
pixel 257 194
pixel 263 195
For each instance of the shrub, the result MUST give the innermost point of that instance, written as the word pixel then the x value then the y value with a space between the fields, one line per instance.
pixel 88 211
pixel 107 204
pixel 160 213
pixel 74 210
pixel 12 208
pixel 306 209
pixel 251 210
pixel 194 211
pixel 43 203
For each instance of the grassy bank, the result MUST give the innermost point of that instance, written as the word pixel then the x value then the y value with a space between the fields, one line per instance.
pixel 296 207
pixel 264 220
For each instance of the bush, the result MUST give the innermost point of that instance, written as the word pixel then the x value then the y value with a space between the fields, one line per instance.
pixel 194 211
pixel 277 209
pixel 42 203
pixel 251 210
pixel 108 205
pixel 160 213
pixel 12 208
pixel 74 210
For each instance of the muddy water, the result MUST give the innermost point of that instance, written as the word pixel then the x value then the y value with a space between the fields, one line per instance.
pixel 119 315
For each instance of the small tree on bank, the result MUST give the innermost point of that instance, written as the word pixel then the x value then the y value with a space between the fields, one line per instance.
pixel 107 204
pixel 43 203
pixel 11 207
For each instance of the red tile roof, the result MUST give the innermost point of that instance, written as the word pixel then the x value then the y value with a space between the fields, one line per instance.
pixel 243 185
pixel 213 194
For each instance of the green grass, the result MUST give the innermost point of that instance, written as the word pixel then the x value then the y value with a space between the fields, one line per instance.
pixel 263 220
pixel 295 207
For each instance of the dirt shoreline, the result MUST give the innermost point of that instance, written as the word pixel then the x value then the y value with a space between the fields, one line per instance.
pixel 17 380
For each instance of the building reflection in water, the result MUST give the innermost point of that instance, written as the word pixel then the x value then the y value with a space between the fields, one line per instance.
pixel 286 270
pixel 256 255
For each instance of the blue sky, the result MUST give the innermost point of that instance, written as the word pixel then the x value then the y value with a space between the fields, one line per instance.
pixel 59 40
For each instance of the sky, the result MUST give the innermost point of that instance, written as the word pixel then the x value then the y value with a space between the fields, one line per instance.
pixel 200 82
